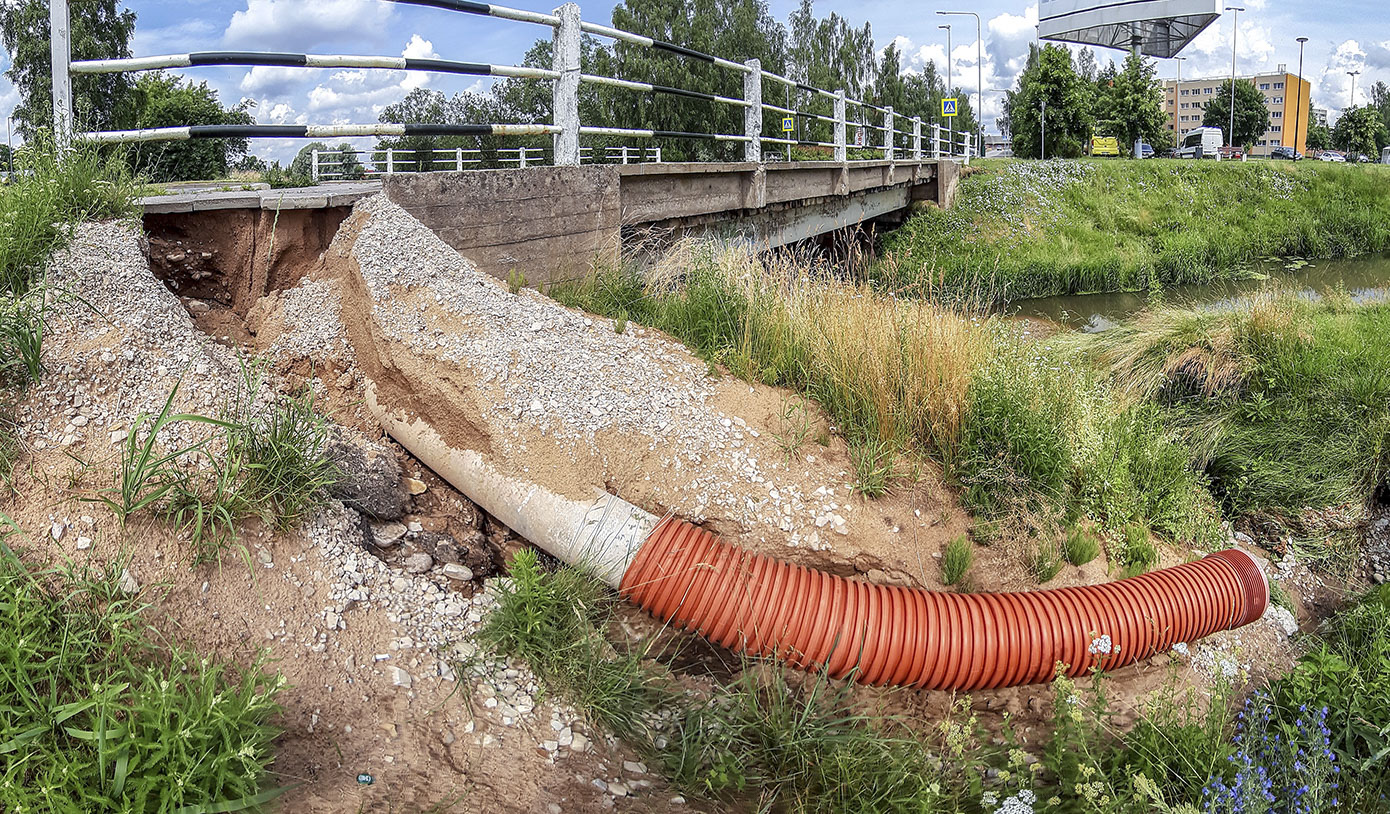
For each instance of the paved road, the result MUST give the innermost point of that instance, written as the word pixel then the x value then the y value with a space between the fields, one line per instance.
pixel 199 198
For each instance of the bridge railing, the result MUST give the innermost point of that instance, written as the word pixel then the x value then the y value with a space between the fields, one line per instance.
pixel 564 74
pixel 328 165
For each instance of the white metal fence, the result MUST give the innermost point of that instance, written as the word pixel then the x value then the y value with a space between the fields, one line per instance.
pixel 330 165
pixel 565 76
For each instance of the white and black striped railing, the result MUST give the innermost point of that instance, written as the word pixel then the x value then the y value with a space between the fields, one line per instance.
pixel 564 74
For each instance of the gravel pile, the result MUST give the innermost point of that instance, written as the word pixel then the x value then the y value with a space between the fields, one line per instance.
pixel 118 343
pixel 552 372
pixel 313 326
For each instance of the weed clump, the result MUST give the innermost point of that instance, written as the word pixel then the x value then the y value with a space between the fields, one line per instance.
pixel 1080 546
pixel 956 560
pixel 98 716
pixel 266 461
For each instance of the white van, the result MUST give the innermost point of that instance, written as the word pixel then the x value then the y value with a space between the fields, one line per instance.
pixel 1385 155
pixel 1203 142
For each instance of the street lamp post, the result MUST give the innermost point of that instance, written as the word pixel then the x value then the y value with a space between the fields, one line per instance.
pixel 1235 32
pixel 979 80
pixel 1298 106
pixel 1177 94
pixel 1042 125
pixel 951 121
pixel 1352 101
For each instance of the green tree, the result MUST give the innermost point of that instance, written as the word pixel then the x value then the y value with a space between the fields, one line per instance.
pixel 1252 117
pixel 250 163
pixel 1380 100
pixel 1129 105
pixel 100 30
pixel 1050 77
pixel 1319 137
pixel 166 100
pixel 425 106
pixel 1360 130
pixel 303 162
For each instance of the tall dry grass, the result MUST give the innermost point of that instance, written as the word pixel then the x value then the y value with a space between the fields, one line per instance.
pixel 893 372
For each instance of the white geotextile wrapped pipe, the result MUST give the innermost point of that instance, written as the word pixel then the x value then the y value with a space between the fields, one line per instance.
pixel 601 535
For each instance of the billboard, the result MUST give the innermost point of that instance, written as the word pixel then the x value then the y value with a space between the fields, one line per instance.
pixel 1162 27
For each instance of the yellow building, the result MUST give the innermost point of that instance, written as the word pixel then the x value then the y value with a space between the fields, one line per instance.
pixel 1185 105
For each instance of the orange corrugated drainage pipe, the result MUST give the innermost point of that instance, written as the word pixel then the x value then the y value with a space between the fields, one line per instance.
pixel 884 634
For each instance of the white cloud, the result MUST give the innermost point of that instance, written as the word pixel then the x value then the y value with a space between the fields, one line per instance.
pixel 293 24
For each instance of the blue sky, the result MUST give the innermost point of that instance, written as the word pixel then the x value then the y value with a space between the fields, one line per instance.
pixel 1343 35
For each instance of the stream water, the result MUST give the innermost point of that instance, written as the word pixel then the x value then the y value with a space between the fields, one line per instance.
pixel 1364 278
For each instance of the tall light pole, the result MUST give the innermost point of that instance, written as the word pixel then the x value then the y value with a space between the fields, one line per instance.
pixel 979 80
pixel 1042 129
pixel 1177 94
pixel 1298 106
pixel 1235 32
pixel 1353 75
pixel 951 121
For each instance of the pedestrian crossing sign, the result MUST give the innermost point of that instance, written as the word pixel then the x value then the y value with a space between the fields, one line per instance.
pixel 787 124
pixel 948 107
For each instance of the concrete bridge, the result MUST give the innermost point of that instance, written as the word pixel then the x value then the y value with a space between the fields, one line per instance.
pixel 552 223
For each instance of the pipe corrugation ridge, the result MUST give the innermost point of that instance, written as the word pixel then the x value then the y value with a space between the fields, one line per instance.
pixel 882 634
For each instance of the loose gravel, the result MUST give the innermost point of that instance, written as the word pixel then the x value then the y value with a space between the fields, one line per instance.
pixel 559 374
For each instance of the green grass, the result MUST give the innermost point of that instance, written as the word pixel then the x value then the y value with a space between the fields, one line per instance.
pixel 1031 229
pixel 266 461
pixel 1080 546
pixel 46 198
pixel 1285 403
pixel 96 714
pixel 790 742
pixel 956 560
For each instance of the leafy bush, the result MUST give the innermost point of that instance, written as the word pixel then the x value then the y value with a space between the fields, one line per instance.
pixel 956 560
pixel 1348 673
pixel 95 716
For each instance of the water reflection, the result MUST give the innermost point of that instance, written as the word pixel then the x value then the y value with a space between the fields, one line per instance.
pixel 1364 279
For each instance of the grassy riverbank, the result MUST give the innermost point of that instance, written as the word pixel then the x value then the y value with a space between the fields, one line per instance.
pixel 1031 229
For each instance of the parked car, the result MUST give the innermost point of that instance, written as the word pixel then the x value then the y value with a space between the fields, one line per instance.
pixel 1145 150
pixel 1332 155
pixel 1232 154
pixel 1286 153
pixel 1000 152
pixel 1385 155
pixel 1201 142
pixel 1361 158
pixel 1105 146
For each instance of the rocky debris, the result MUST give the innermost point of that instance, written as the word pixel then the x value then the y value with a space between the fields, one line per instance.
pixel 415 486
pixel 419 563
pixel 462 573
pixel 313 324
pixel 385 535
pixel 572 379
pixel 127 582
pixel 371 481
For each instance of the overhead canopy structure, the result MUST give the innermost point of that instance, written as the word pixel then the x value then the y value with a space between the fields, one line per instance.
pixel 1161 28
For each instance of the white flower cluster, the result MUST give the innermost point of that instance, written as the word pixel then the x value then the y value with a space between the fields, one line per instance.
pixel 1021 803
pixel 1102 646
pixel 1180 648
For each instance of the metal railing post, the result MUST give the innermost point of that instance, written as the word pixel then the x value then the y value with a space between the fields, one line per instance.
pixel 917 138
pixel 314 165
pixel 888 133
pixel 390 160
pixel 566 89
pixel 753 113
pixel 936 139
pixel 60 49
pixel 458 158
pixel 841 146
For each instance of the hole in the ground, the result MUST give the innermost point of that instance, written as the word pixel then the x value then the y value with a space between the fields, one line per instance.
pixel 220 262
